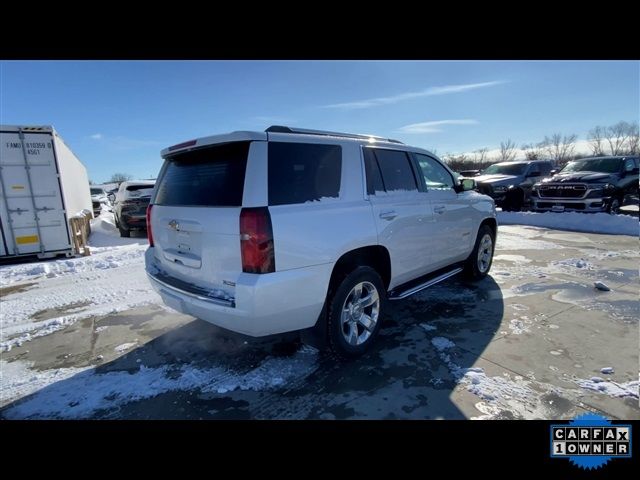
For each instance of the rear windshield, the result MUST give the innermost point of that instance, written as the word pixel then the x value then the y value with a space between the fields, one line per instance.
pixel 303 172
pixel 138 191
pixel 97 191
pixel 208 177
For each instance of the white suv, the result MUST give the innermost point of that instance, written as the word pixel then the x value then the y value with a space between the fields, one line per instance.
pixel 289 229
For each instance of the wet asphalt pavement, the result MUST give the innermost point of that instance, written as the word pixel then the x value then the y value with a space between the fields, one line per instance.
pixel 523 343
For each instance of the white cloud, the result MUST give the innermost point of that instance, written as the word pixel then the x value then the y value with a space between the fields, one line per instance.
pixel 96 136
pixel 582 147
pixel 431 91
pixel 433 127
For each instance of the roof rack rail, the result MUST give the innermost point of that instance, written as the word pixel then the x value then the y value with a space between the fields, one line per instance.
pixel 306 131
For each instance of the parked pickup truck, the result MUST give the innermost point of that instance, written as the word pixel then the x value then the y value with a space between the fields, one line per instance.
pixel 588 185
pixel 510 183
pixel 290 229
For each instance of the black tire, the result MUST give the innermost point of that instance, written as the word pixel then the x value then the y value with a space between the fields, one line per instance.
pixel 514 201
pixel 614 206
pixel 124 232
pixel 472 270
pixel 338 330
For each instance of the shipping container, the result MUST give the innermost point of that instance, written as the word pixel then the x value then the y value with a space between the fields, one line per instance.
pixel 42 185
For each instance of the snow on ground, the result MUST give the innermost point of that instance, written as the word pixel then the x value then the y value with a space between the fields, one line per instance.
pixel 111 279
pixel 442 343
pixel 574 221
pixel 428 328
pixel 81 392
pixel 613 389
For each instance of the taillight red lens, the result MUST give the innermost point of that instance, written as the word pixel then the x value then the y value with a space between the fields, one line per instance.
pixel 149 231
pixel 256 241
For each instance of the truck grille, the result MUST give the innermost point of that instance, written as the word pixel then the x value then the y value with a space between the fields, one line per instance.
pixel 562 191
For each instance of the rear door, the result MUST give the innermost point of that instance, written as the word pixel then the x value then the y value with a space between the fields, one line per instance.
pixel 196 215
pixel 401 211
pixel 31 210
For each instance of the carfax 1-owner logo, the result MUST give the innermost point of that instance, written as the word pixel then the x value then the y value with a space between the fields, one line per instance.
pixel 590 441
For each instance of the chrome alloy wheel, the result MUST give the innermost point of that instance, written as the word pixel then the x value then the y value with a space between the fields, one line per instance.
pixel 485 251
pixel 360 312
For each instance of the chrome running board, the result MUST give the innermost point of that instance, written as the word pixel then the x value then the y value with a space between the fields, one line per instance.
pixel 393 295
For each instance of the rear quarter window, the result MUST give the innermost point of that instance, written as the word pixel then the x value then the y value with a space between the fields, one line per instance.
pixel 303 172
pixel 208 177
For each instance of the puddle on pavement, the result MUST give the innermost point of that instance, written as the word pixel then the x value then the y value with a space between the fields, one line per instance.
pixel 585 296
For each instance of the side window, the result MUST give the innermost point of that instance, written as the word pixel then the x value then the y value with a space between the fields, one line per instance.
pixel 629 165
pixel 303 172
pixel 435 175
pixel 545 169
pixel 372 171
pixel 396 170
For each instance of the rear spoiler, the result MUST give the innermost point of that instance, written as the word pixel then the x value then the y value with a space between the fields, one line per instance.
pixel 240 136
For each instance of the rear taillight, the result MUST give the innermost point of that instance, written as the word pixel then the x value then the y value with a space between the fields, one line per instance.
pixel 149 231
pixel 256 241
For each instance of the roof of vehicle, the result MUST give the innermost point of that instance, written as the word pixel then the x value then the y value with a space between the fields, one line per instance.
pixel 519 162
pixel 608 157
pixel 138 182
pixel 275 132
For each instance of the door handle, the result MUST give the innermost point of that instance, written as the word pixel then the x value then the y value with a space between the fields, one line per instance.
pixel 389 215
pixel 439 209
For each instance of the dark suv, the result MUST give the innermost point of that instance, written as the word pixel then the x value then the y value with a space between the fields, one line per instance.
pixel 598 184
pixel 510 183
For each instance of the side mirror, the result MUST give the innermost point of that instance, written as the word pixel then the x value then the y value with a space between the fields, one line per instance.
pixel 464 185
pixel 554 171
pixel 533 174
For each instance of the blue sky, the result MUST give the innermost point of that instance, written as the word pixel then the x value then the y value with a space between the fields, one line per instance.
pixel 118 115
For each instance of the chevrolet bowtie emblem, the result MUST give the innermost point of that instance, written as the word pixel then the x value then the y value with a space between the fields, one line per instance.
pixel 175 225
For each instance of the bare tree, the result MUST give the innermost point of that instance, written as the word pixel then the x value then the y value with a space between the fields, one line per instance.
pixel 634 139
pixel 480 157
pixel 507 151
pixel 559 147
pixel 617 136
pixel 120 177
pixel 596 137
pixel 532 151
pixel 456 162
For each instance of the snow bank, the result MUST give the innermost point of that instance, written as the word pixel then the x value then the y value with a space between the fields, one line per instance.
pixel 574 221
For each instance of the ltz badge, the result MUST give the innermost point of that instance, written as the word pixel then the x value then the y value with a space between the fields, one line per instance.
pixel 590 441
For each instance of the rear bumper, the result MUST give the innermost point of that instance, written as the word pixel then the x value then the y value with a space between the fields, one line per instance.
pixel 265 304
pixel 571 205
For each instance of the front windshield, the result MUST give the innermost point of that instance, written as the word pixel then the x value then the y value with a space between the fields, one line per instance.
pixel 603 165
pixel 505 169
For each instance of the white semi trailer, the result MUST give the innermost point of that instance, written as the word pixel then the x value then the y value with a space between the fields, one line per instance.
pixel 42 185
